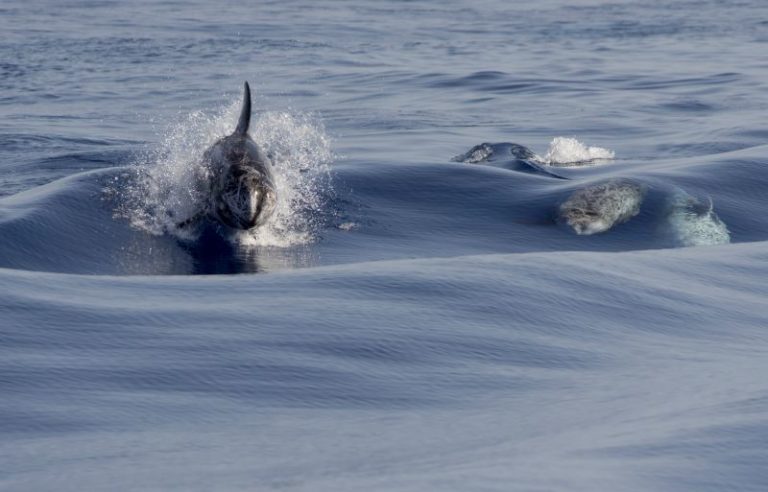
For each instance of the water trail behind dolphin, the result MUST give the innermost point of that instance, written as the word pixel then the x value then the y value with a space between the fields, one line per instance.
pixel 165 190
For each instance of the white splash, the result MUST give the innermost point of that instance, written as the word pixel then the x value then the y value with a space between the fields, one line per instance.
pixel 348 226
pixel 565 151
pixel 166 192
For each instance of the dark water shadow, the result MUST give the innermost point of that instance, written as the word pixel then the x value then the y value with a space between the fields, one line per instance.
pixel 214 254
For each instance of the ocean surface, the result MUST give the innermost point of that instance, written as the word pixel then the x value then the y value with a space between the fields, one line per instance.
pixel 424 311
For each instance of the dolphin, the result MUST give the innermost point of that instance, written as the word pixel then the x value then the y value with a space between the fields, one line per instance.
pixel 599 207
pixel 239 184
pixel 506 155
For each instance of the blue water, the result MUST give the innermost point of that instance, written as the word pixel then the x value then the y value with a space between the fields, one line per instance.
pixel 406 321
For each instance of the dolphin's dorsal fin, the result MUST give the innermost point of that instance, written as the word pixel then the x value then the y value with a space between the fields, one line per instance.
pixel 245 113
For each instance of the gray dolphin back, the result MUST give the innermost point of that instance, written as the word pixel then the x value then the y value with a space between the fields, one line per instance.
pixel 245 113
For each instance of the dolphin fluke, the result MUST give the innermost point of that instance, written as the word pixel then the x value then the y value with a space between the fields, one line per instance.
pixel 245 113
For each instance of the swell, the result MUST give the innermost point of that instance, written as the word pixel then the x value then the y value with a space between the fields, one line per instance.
pixel 379 212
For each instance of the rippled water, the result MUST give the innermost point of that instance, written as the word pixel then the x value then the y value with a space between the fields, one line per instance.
pixel 421 313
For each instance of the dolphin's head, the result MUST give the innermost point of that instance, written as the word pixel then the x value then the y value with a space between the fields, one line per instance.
pixel 246 198
pixel 599 207
pixel 584 222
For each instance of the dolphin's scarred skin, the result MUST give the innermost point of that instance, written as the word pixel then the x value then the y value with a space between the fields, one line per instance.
pixel 240 187
pixel 599 207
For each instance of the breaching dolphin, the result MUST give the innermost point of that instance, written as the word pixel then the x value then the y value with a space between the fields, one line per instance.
pixel 239 185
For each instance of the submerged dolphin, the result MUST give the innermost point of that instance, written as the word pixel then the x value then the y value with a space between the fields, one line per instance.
pixel 599 207
pixel 507 156
pixel 241 192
